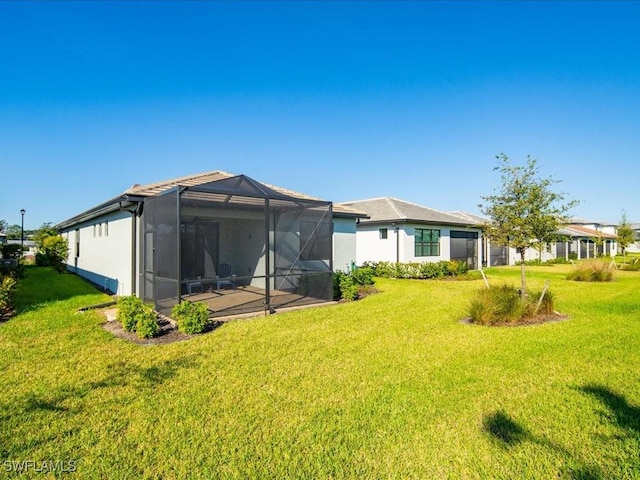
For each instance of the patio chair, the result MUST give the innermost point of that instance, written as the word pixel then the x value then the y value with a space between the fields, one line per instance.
pixel 225 277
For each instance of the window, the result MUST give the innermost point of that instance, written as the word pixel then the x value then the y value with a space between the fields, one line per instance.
pixel 99 229
pixel 427 242
pixel 95 227
pixel 384 234
pixel 77 242
pixel 106 229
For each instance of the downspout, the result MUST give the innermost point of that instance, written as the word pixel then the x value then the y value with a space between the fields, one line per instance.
pixel 397 229
pixel 133 253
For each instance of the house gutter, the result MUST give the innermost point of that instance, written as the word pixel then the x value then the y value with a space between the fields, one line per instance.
pixel 397 230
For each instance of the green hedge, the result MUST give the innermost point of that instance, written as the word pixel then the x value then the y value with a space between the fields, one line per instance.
pixel 416 270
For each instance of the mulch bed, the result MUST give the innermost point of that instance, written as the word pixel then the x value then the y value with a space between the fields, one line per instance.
pixel 537 320
pixel 168 332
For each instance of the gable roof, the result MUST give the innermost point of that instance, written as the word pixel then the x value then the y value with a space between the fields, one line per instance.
pixel 389 209
pixel 573 230
pixel 137 193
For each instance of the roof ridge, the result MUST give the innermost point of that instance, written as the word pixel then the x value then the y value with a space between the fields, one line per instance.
pixel 418 205
pixel 391 201
pixel 177 180
pixel 365 200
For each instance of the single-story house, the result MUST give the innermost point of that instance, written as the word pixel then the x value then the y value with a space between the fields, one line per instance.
pixel 231 241
pixel 30 247
pixel 400 231
pixel 580 239
pixel 586 239
pixel 635 247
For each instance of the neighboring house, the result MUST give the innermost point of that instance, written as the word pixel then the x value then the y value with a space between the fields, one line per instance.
pixel 30 247
pixel 400 231
pixel 587 239
pixel 635 247
pixel 581 239
pixel 189 237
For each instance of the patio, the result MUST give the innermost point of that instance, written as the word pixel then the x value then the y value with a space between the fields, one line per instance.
pixel 272 248
pixel 247 299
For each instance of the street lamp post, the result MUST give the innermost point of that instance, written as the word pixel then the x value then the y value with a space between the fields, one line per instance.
pixel 22 212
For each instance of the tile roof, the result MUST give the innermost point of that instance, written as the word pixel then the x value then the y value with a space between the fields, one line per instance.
pixel 388 209
pixel 574 230
pixel 215 175
pixel 135 192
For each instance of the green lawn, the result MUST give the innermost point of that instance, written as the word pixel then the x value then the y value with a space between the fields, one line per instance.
pixel 392 386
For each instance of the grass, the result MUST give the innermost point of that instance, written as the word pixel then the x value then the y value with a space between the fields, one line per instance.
pixel 391 386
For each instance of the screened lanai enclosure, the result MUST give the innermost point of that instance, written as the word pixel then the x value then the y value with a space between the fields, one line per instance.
pixel 237 245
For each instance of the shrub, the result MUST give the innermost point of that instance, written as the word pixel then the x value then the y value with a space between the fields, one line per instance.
pixel 192 317
pixel 363 276
pixel 7 290
pixel 55 250
pixel 351 286
pixel 591 271
pixel 128 309
pixel 348 288
pixel 146 324
pixel 11 251
pixel 503 305
pixel 337 277
pixel 418 270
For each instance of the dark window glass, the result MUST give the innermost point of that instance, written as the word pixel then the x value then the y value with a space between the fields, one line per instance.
pixel 427 242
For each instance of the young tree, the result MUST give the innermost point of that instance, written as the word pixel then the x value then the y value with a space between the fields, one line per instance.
pixel 55 250
pixel 625 235
pixel 45 231
pixel 52 248
pixel 525 211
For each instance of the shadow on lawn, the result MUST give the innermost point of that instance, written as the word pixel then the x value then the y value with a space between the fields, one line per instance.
pixel 508 433
pixel 61 405
pixel 42 285
pixel 621 413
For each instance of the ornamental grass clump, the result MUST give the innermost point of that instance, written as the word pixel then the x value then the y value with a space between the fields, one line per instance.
pixel 591 271
pixel 503 305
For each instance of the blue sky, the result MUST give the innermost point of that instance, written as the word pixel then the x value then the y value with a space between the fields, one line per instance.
pixel 341 100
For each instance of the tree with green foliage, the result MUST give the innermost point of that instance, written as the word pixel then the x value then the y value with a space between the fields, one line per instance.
pixel 56 251
pixel 625 235
pixel 524 212
pixel 14 232
pixel 3 225
pixel 45 231
pixel 53 250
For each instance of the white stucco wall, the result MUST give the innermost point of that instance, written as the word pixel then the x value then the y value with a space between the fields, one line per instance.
pixel 344 243
pixel 105 251
pixel 370 247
